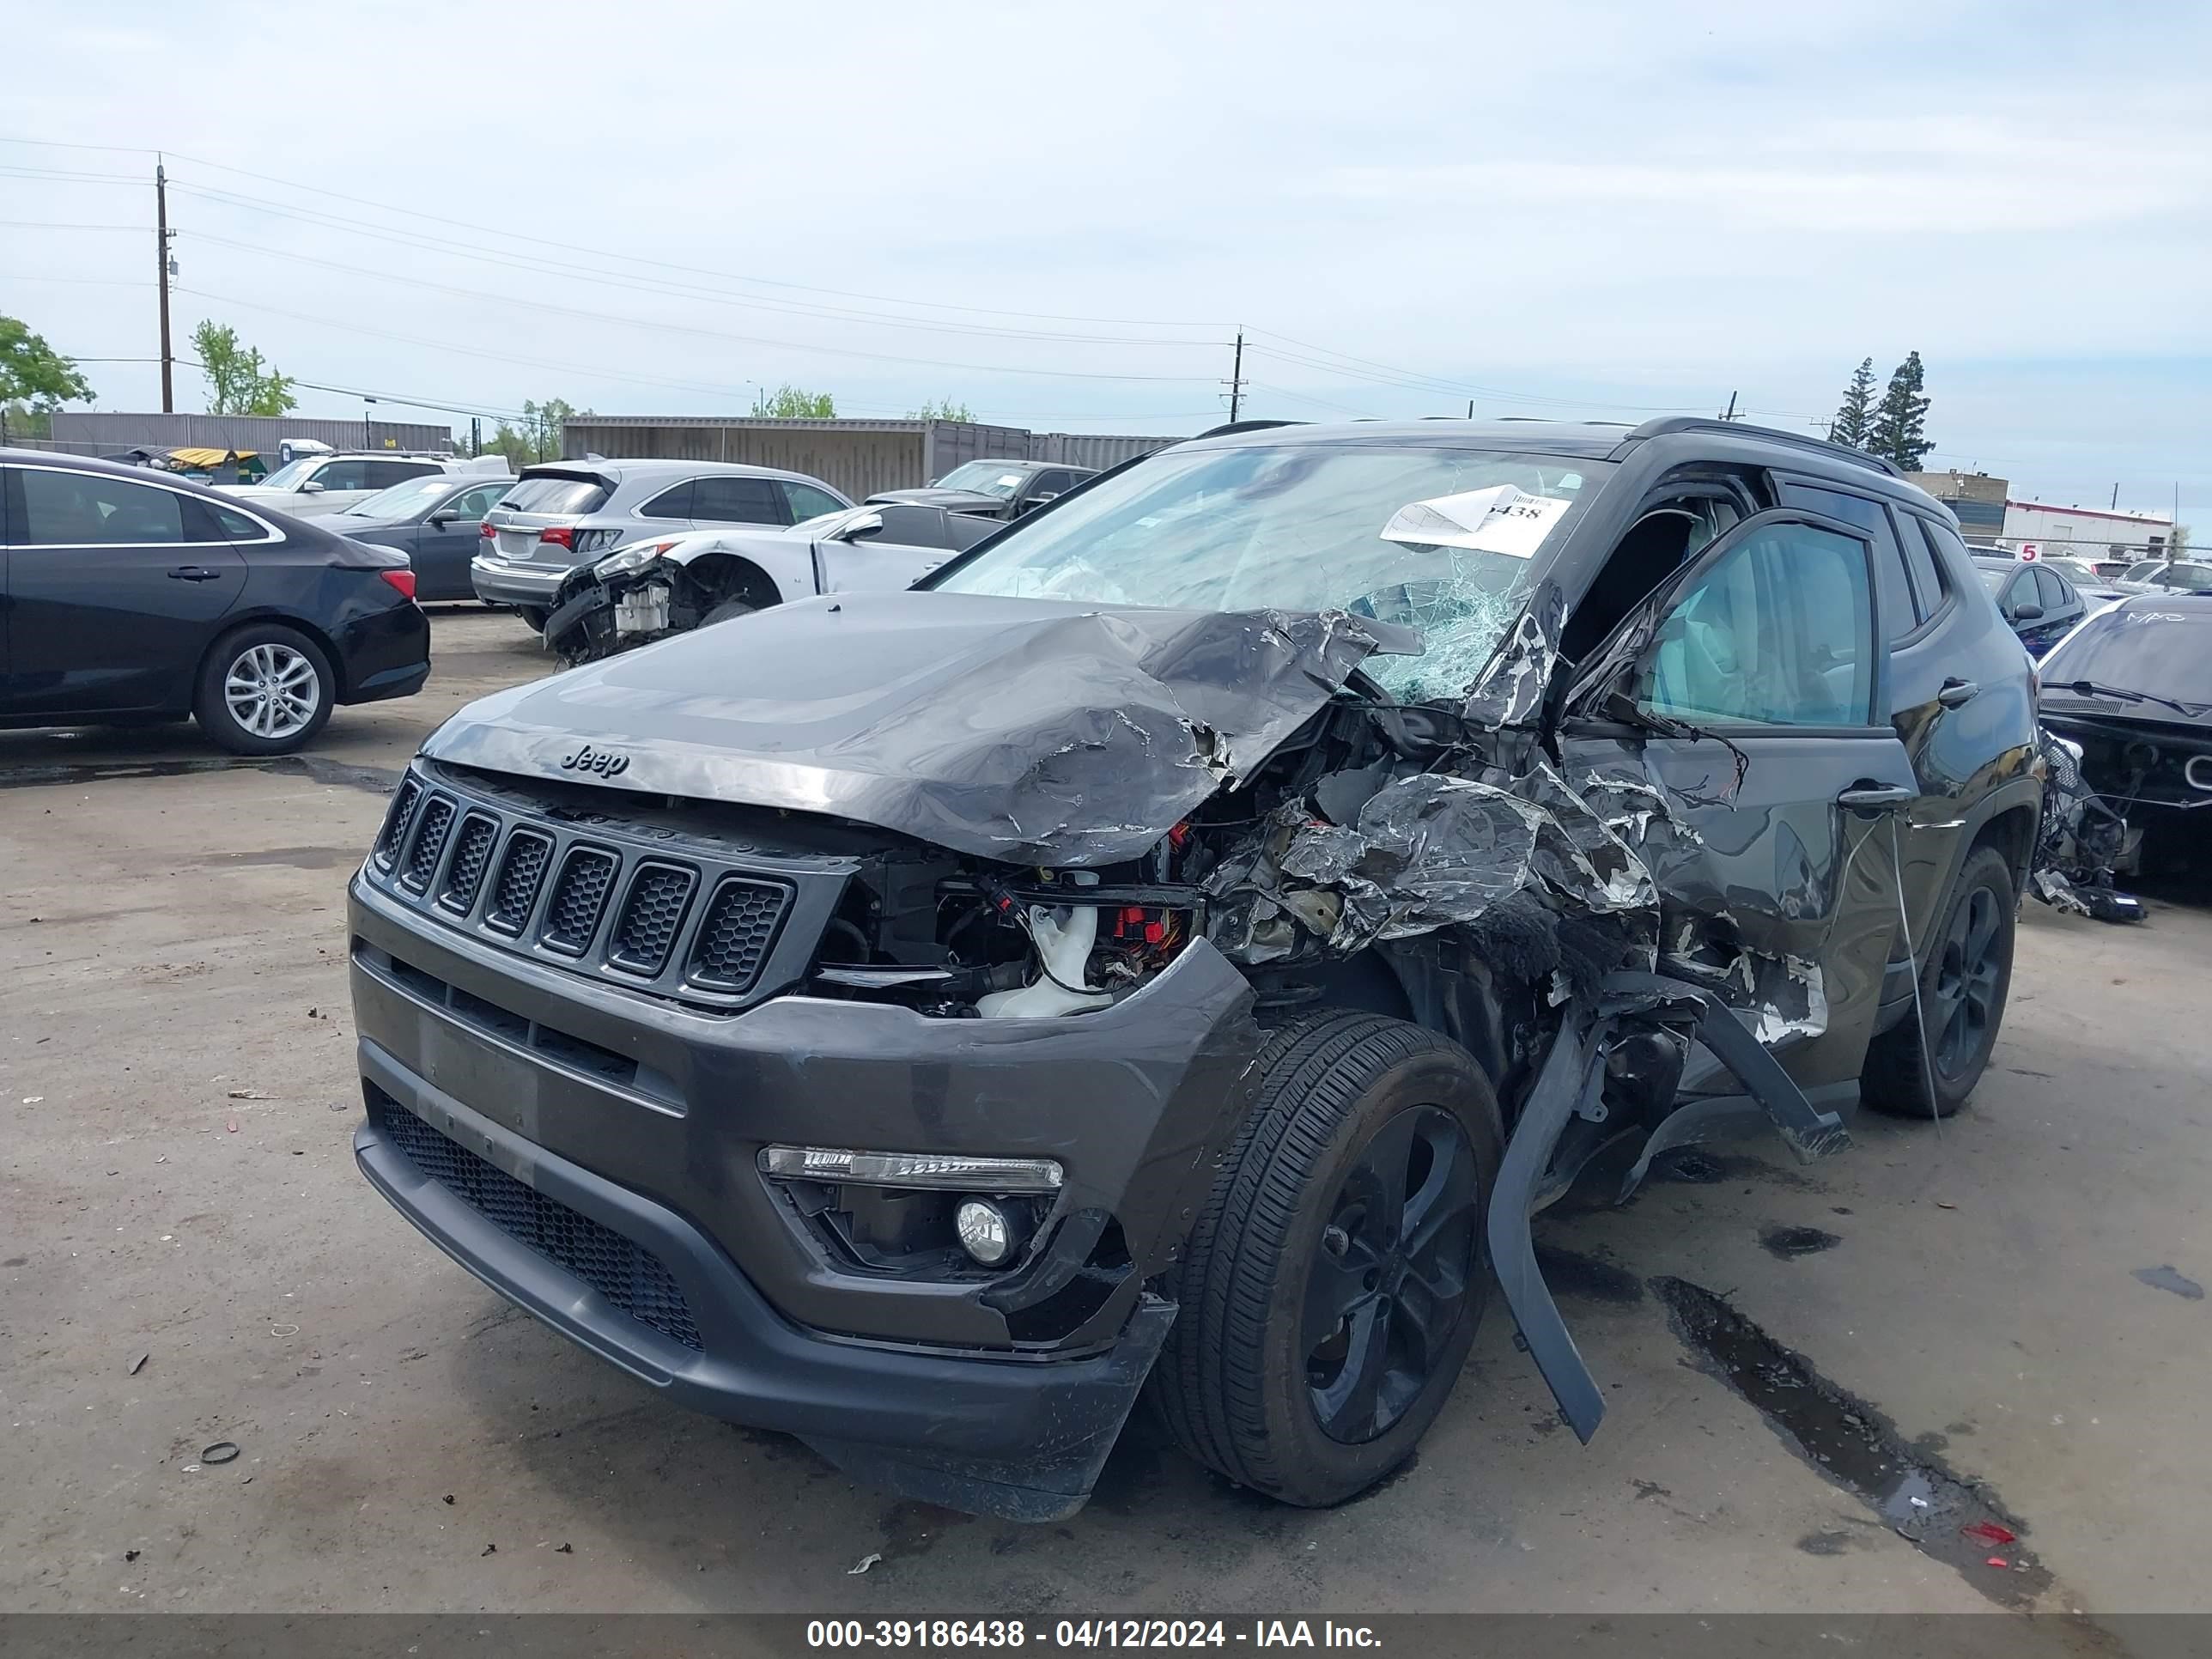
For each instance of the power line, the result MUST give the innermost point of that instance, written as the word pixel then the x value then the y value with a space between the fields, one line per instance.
pixel 603 316
pixel 650 285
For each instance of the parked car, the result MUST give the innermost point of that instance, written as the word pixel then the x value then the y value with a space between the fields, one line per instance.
pixel 650 590
pixel 132 597
pixel 1181 943
pixel 436 521
pixel 565 513
pixel 995 490
pixel 315 484
pixel 2037 603
pixel 2132 689
pixel 2165 577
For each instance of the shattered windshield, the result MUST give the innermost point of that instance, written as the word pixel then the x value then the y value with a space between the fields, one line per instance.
pixel 1446 541
pixel 984 478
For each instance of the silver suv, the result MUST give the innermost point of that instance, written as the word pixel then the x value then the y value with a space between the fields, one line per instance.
pixel 565 513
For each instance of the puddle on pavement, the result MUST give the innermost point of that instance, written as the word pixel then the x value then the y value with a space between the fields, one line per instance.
pixel 2166 1278
pixel 1699 1166
pixel 1859 1449
pixel 1789 1243
pixel 378 780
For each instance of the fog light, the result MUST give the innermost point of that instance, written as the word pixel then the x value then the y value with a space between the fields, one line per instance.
pixel 987 1232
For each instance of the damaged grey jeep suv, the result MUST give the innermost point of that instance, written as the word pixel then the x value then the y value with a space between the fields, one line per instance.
pixel 1176 949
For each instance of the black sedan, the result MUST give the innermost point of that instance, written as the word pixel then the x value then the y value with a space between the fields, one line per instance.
pixel 436 521
pixel 127 598
pixel 2040 604
pixel 2133 687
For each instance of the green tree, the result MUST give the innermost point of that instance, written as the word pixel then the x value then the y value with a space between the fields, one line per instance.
pixel 33 372
pixel 537 437
pixel 791 403
pixel 941 409
pixel 1854 424
pixel 1900 421
pixel 239 382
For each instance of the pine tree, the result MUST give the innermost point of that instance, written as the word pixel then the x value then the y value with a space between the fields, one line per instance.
pixel 1900 421
pixel 1852 424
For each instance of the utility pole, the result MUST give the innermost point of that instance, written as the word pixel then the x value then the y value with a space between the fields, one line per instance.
pixel 1729 414
pixel 1470 409
pixel 476 435
pixel 161 252
pixel 2116 496
pixel 1236 380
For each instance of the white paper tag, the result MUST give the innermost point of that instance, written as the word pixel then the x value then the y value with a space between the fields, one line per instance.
pixel 1499 519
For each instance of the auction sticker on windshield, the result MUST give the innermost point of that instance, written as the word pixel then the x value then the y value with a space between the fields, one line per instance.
pixel 1499 519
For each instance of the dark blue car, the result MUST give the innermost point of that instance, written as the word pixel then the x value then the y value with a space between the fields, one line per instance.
pixel 2037 603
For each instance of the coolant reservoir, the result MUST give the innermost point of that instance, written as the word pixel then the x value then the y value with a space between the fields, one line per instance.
pixel 1063 936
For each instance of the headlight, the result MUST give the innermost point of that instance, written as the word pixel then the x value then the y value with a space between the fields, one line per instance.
pixel 630 558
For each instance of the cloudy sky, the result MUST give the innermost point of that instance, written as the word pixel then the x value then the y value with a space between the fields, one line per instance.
pixel 1061 216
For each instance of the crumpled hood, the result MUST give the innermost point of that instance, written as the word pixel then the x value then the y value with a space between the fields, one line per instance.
pixel 953 501
pixel 1026 730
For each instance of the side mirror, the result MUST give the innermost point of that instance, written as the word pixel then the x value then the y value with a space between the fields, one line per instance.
pixel 869 523
pixel 2029 612
pixel 1049 495
pixel 311 487
pixel 440 518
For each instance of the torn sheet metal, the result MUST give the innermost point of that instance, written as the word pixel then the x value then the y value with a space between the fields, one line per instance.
pixel 1512 688
pixel 2082 841
pixel 1029 730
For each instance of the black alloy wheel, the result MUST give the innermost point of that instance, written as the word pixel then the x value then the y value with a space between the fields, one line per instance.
pixel 1392 1276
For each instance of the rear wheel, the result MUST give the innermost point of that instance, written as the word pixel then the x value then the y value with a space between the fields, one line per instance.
pixel 1335 1278
pixel 1964 978
pixel 535 615
pixel 264 690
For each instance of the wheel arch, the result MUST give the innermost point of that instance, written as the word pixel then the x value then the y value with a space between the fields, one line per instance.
pixel 726 575
pixel 232 623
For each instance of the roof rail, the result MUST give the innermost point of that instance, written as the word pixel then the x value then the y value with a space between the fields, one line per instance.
pixel 1224 430
pixel 1665 425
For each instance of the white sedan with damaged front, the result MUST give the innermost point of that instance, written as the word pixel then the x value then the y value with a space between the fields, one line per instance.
pixel 651 589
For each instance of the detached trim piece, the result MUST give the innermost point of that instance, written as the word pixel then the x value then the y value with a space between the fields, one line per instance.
pixel 1572 1075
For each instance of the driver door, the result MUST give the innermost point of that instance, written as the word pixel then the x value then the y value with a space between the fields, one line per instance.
pixel 1768 647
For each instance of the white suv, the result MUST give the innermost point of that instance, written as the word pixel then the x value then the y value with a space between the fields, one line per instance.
pixel 316 485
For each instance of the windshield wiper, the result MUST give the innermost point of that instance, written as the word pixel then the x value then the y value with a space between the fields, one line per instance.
pixel 2093 688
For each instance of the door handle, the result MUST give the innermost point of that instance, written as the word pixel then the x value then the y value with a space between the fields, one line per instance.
pixel 194 573
pixel 1956 693
pixel 1863 797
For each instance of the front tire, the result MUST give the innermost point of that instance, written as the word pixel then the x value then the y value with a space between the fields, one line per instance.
pixel 264 690
pixel 1335 1279
pixel 1963 985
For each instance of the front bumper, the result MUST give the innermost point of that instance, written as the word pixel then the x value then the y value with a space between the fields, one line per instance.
pixel 1023 1438
pixel 497 581
pixel 1001 1394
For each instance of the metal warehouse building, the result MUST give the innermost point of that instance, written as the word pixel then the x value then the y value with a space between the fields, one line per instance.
pixel 858 457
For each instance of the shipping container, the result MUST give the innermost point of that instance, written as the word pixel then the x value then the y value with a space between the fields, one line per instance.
pixel 104 432
pixel 858 457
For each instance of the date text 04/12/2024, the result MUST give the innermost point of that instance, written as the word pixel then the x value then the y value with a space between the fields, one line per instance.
pixel 1086 1633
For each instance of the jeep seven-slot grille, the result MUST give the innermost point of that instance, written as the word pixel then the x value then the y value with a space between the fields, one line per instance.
pixel 571 915
pixel 395 822
pixel 651 913
pixel 740 925
pixel 520 871
pixel 693 918
pixel 624 1271
pixel 429 843
pixel 472 858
